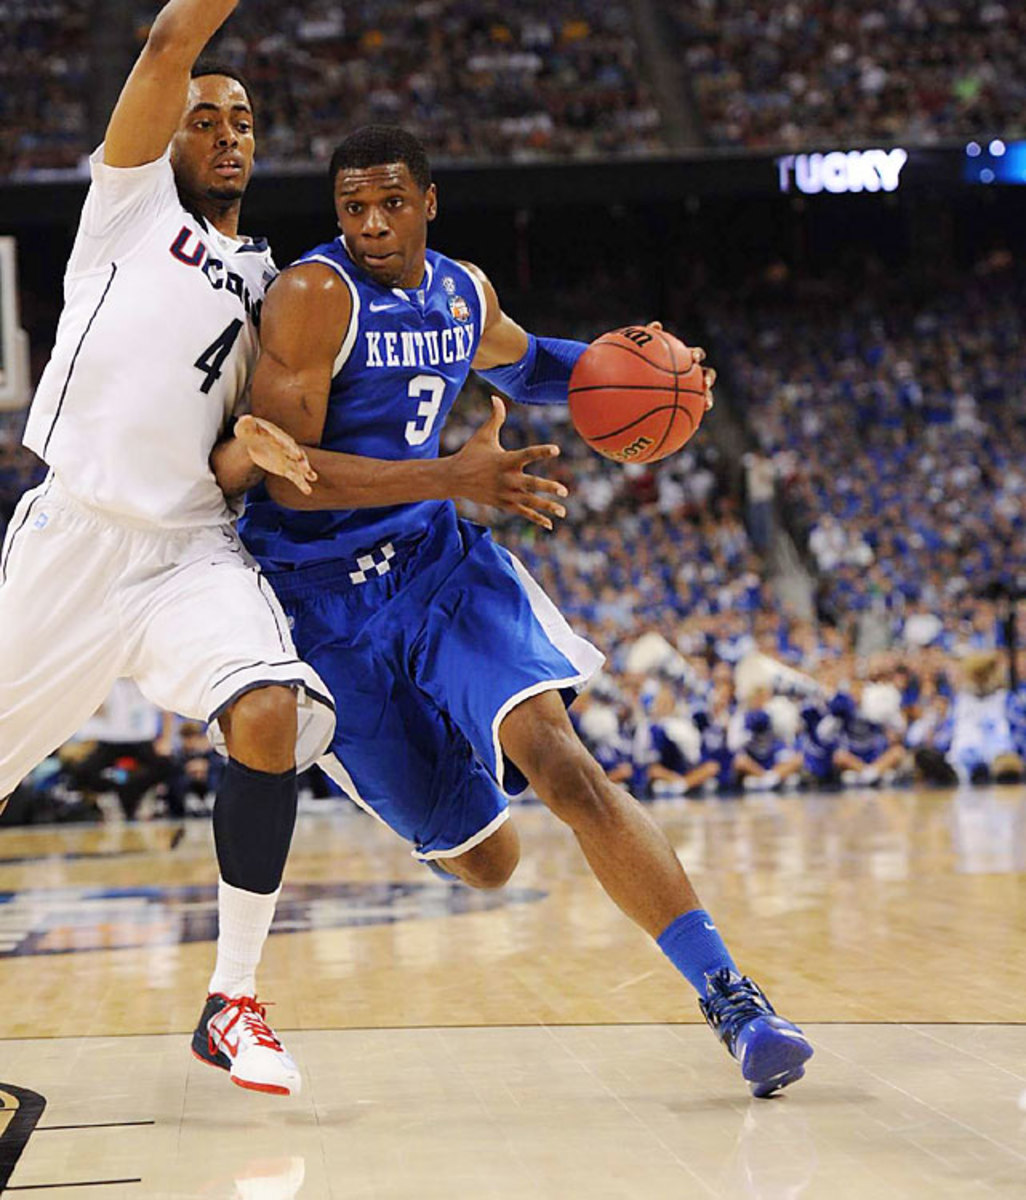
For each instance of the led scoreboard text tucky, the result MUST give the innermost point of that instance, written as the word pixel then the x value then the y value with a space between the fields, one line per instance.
pixel 842 172
pixel 985 162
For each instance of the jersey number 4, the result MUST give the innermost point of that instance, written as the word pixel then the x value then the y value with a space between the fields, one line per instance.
pixel 211 361
pixel 433 388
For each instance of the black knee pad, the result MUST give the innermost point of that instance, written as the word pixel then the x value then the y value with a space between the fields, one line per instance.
pixel 254 816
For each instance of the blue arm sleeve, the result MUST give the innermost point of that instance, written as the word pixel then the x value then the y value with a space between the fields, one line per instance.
pixel 542 376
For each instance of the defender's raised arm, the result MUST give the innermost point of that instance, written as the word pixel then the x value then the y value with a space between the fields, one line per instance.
pixel 150 106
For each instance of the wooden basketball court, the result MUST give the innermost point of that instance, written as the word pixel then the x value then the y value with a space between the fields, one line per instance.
pixel 527 1043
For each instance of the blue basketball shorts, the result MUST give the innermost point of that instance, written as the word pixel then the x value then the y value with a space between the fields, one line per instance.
pixel 427 646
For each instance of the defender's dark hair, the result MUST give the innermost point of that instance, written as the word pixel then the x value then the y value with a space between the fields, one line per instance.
pixel 379 145
pixel 213 66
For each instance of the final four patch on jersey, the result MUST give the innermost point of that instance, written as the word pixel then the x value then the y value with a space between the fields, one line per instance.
pixel 459 308
pixel 449 285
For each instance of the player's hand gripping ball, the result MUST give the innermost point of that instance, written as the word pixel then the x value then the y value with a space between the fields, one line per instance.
pixel 637 394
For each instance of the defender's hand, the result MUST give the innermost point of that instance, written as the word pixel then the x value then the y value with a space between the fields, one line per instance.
pixel 274 451
pixel 698 356
pixel 486 474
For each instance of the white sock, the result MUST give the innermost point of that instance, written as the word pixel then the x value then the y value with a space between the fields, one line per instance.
pixel 244 919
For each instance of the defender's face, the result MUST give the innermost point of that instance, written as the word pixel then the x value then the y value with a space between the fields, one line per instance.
pixel 212 152
pixel 384 215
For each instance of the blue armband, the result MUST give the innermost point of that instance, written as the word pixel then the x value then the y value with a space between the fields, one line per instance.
pixel 542 376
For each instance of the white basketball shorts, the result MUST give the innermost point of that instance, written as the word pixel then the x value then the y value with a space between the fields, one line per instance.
pixel 86 599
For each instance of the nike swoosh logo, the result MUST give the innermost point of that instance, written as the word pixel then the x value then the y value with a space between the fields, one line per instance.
pixel 381 307
pixel 708 926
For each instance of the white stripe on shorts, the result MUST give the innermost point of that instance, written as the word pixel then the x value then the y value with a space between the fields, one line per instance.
pixel 587 658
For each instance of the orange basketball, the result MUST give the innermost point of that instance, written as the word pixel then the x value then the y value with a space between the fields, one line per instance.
pixel 636 396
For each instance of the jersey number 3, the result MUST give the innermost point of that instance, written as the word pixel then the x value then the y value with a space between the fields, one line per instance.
pixel 433 388
pixel 211 361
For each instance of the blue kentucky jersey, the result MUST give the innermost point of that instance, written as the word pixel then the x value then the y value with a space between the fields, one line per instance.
pixel 403 362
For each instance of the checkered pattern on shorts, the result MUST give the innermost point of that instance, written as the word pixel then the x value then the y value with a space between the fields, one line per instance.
pixel 377 563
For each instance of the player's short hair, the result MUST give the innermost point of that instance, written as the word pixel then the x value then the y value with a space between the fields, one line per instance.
pixel 213 66
pixel 379 145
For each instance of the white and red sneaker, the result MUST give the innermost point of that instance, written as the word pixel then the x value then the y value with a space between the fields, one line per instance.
pixel 232 1034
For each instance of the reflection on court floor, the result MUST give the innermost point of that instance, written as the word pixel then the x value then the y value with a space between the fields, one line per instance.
pixel 74 920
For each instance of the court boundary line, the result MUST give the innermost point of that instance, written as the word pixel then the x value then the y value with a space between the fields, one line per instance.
pixel 94 1125
pixel 49 1187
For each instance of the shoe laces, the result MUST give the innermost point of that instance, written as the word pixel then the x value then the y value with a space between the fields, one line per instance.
pixel 730 1002
pixel 250 1015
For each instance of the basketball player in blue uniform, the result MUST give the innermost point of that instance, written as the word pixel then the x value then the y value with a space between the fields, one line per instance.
pixel 455 667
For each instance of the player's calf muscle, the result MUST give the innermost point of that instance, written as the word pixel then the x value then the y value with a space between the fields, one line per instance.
pixel 538 737
pixel 572 785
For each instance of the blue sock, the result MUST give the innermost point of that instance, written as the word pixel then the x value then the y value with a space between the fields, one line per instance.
pixel 693 944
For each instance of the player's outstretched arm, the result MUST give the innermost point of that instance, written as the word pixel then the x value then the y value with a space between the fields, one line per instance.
pixel 528 369
pixel 480 471
pixel 536 370
pixel 151 102
pixel 305 319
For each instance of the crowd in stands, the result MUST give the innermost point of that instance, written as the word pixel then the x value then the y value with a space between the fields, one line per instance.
pixel 476 80
pixel 897 432
pixel 811 74
pixel 482 80
pixel 45 73
pixel 675 718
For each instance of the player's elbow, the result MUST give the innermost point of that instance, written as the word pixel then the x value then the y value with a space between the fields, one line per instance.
pixel 167 40
pixel 287 495
pixel 173 35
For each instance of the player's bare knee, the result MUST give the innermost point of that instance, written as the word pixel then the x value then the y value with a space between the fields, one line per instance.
pixel 265 710
pixel 491 864
pixel 487 877
pixel 260 728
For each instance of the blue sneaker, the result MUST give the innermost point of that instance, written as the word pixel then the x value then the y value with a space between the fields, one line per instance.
pixel 772 1052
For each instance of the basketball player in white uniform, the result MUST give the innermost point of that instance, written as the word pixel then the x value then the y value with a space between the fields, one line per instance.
pixel 125 561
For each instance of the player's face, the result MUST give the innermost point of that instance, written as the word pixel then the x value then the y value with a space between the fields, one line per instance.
pixel 212 152
pixel 383 214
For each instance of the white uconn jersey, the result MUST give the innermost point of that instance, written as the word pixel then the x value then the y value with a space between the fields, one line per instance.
pixel 153 352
